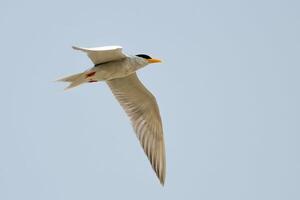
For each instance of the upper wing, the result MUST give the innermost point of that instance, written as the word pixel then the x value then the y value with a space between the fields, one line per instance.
pixel 140 105
pixel 103 54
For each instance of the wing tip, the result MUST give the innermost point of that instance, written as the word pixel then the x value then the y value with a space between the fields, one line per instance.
pixel 76 48
pixel 162 181
pixel 161 176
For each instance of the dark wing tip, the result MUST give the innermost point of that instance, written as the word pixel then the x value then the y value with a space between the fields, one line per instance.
pixel 76 48
pixel 162 181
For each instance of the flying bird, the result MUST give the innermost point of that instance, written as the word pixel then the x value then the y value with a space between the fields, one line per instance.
pixel 118 70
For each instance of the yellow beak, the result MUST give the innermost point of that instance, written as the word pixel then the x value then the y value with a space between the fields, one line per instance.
pixel 153 60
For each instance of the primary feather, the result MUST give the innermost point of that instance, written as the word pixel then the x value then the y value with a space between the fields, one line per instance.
pixel 140 105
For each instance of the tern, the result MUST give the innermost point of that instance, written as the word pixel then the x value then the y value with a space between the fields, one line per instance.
pixel 118 70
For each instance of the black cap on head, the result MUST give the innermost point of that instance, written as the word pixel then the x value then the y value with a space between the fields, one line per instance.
pixel 143 56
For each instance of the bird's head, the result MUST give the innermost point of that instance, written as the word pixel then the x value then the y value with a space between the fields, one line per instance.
pixel 148 58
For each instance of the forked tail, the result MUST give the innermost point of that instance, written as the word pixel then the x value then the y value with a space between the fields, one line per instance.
pixel 75 80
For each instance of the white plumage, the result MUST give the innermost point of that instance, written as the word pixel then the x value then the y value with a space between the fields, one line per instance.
pixel 100 55
pixel 119 72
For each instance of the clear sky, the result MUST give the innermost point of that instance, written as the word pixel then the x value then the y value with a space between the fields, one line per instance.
pixel 228 92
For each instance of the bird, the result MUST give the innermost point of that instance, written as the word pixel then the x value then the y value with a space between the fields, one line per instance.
pixel 118 70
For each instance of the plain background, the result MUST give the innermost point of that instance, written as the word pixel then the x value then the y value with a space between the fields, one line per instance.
pixel 228 92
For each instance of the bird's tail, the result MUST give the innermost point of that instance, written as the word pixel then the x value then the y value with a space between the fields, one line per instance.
pixel 74 80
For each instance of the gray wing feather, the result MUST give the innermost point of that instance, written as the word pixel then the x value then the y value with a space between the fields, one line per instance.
pixel 104 54
pixel 141 107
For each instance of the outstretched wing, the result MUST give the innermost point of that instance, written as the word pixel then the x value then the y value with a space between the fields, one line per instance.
pixel 140 105
pixel 103 54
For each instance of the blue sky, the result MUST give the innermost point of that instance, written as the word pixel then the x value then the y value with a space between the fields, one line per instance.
pixel 228 92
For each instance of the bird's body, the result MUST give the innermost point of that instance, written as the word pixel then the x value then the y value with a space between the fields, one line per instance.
pixel 117 69
pixel 119 72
